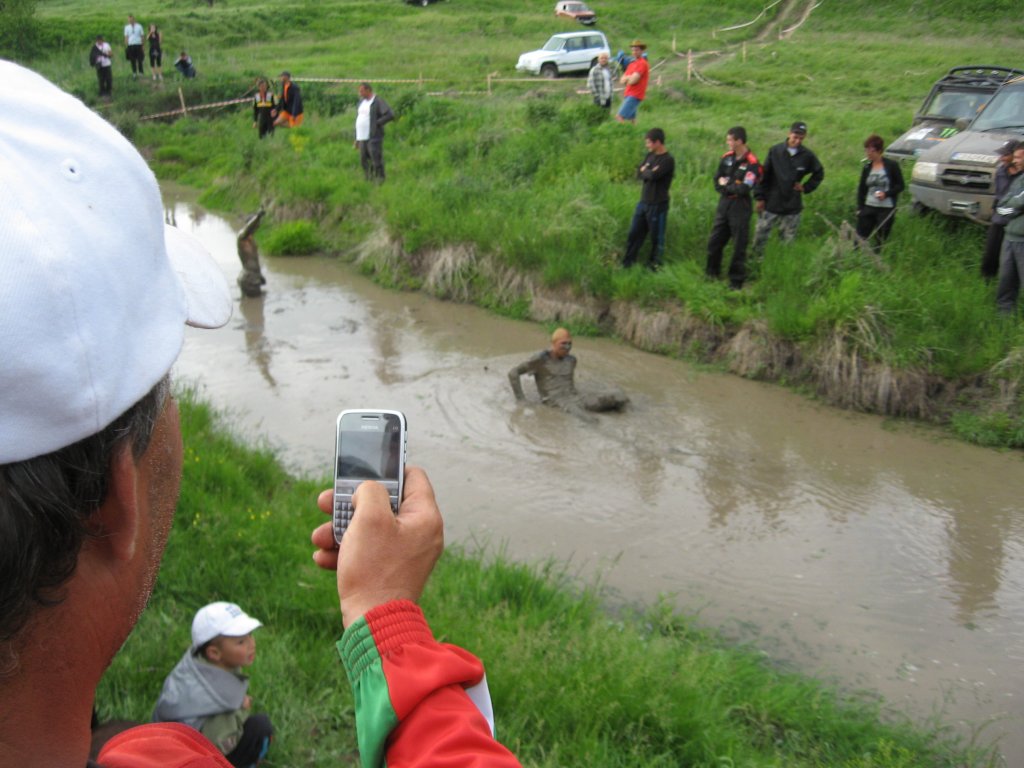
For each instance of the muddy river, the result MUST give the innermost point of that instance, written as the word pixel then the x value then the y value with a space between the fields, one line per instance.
pixel 880 556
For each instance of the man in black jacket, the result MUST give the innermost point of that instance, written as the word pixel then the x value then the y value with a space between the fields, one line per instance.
pixel 371 116
pixel 790 171
pixel 739 172
pixel 651 214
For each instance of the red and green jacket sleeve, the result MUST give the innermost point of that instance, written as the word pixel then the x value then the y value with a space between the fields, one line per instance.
pixel 413 695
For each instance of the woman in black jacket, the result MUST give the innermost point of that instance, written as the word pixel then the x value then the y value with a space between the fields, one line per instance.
pixel 881 183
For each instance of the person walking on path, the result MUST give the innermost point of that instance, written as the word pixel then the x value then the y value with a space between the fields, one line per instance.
pixel 739 172
pixel 599 82
pixel 881 182
pixel 101 55
pixel 133 35
pixel 651 214
pixel 635 79
pixel 290 114
pixel 371 116
pixel 1006 172
pixel 790 171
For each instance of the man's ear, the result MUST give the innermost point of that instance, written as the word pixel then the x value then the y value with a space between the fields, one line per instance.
pixel 115 525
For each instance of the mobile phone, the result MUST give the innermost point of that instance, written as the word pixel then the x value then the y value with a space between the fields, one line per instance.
pixel 370 445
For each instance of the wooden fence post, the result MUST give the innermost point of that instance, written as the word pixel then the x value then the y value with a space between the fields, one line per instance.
pixel 181 98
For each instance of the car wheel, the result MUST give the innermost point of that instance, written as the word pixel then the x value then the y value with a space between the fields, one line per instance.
pixel 549 71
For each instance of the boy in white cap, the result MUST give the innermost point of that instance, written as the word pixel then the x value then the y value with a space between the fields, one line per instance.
pixel 207 690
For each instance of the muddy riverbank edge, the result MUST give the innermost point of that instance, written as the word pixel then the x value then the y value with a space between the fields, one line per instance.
pixel 833 369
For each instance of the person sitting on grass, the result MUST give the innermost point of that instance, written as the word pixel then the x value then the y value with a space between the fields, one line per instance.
pixel 207 690
pixel 184 65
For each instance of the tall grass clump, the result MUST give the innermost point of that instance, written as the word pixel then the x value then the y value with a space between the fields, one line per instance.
pixel 573 682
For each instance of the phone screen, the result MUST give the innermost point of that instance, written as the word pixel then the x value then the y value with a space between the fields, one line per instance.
pixel 369 449
pixel 370 446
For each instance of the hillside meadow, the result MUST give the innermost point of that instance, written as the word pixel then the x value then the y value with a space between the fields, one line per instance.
pixel 503 188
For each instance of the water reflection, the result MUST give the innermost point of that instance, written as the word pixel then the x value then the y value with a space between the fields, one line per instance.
pixel 256 344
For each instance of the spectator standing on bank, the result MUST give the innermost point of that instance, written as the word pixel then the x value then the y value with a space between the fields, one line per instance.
pixel 133 35
pixel 635 79
pixel 264 108
pixel 371 116
pixel 790 171
pixel 599 81
pixel 290 114
pixel 101 58
pixel 156 52
pixel 738 174
pixel 1011 260
pixel 1006 172
pixel 651 214
pixel 881 182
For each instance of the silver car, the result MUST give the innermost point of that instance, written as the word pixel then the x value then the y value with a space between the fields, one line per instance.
pixel 566 52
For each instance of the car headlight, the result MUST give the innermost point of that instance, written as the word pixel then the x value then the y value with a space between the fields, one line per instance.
pixel 925 171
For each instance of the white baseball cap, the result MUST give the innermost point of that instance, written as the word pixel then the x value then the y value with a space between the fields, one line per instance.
pixel 95 290
pixel 221 618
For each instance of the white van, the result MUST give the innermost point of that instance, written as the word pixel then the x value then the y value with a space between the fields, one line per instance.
pixel 567 52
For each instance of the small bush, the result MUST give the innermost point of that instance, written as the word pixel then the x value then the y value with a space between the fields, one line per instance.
pixel 293 238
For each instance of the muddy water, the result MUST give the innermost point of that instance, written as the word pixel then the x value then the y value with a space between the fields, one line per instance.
pixel 884 557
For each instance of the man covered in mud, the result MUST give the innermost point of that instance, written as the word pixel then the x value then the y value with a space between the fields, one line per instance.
pixel 554 372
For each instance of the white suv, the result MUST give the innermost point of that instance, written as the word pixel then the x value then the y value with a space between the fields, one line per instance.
pixel 567 52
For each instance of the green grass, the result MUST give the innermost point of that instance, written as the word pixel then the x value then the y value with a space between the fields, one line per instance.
pixel 572 683
pixel 528 177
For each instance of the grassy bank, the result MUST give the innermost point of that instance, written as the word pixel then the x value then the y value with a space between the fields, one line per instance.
pixel 572 684
pixel 525 180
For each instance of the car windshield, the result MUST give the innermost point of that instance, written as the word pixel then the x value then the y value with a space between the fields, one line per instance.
pixel 554 44
pixel 1004 111
pixel 954 104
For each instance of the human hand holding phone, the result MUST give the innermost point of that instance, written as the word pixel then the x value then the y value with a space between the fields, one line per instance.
pixel 383 556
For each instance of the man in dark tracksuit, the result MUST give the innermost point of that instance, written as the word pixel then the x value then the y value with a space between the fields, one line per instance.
pixel 737 175
pixel 651 214
pixel 1006 172
pixel 373 112
pixel 783 184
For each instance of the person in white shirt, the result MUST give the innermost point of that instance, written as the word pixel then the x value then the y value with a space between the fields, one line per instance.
pixel 371 116
pixel 100 57
pixel 133 36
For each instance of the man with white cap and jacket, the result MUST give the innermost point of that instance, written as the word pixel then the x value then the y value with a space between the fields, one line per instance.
pixel 94 297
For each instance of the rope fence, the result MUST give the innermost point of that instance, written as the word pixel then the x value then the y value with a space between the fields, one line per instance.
pixel 692 73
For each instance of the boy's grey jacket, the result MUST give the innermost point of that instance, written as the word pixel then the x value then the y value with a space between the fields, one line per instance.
pixel 196 690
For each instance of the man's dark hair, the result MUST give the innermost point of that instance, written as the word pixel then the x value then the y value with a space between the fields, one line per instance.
pixel 45 504
pixel 875 142
pixel 656 134
pixel 738 132
pixel 367 86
